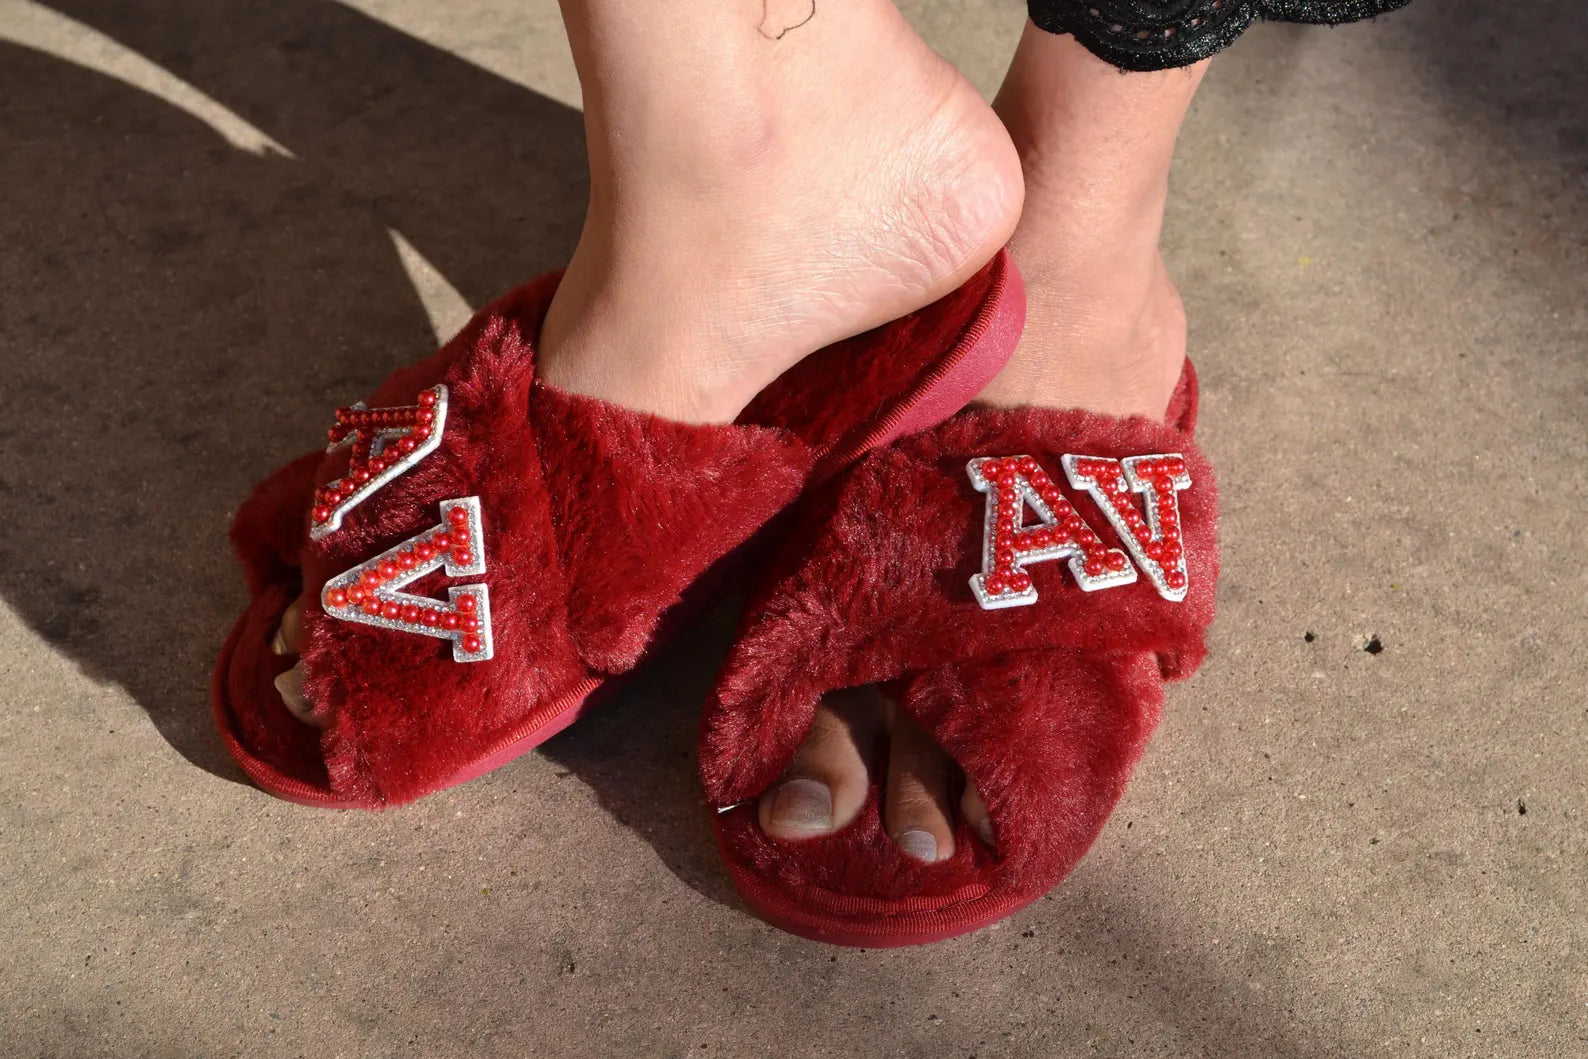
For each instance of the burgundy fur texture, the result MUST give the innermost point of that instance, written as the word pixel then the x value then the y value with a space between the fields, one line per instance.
pixel 823 396
pixel 1046 707
pixel 596 520
pixel 652 504
pixel 1050 738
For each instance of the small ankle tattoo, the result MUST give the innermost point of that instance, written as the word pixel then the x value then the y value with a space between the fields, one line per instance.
pixel 779 17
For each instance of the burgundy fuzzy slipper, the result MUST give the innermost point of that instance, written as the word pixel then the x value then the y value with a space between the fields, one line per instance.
pixel 486 550
pixel 926 568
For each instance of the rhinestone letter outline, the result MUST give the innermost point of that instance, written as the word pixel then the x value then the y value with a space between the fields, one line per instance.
pixel 1011 483
pixel 369 592
pixel 387 443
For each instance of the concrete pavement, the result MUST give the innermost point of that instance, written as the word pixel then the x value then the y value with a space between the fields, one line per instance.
pixel 216 221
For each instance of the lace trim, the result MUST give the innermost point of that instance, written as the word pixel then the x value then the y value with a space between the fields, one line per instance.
pixel 1159 34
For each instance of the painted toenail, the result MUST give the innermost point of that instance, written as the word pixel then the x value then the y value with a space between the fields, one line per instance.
pixel 803 805
pixel 918 844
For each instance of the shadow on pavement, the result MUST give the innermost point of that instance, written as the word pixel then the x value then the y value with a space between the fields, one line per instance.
pixel 178 316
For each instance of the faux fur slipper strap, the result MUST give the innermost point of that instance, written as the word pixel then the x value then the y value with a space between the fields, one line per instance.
pixel 538 534
pixel 541 537
pixel 996 533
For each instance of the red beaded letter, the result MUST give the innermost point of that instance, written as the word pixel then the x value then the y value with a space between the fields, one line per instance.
pixel 368 593
pixel 1154 542
pixel 386 443
pixel 1008 544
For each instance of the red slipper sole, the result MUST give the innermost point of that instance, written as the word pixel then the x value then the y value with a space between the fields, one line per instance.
pixel 869 923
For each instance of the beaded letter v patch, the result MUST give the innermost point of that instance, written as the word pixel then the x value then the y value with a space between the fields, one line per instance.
pixel 1016 484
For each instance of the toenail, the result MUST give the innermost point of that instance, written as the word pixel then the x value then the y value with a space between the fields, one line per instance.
pixel 290 685
pixel 803 805
pixel 278 643
pixel 918 844
pixel 983 829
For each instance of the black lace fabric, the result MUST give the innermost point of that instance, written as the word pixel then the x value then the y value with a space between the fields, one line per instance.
pixel 1158 34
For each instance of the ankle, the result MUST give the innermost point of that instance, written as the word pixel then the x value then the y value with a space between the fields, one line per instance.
pixel 1108 342
pixel 613 331
pixel 752 206
pixel 701 97
pixel 1105 329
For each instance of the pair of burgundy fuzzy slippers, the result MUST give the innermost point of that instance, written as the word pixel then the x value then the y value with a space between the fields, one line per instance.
pixel 486 551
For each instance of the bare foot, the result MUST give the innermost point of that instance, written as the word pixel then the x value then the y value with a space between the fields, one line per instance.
pixel 1104 331
pixel 756 196
pixel 755 199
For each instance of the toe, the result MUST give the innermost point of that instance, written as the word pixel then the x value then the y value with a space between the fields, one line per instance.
pixel 825 785
pixel 290 632
pixel 290 685
pixel 975 812
pixel 916 805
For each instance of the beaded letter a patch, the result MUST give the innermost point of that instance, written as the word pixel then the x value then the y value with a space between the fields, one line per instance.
pixel 1015 483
